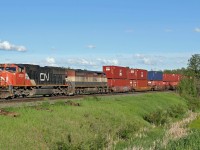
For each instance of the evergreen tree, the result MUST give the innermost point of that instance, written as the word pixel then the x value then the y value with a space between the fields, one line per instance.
pixel 194 65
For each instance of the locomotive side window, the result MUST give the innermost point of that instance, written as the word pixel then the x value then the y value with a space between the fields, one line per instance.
pixel 20 69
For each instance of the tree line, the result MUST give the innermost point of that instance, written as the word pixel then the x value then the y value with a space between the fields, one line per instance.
pixel 189 86
pixel 192 69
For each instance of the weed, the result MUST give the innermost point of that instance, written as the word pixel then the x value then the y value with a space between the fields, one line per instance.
pixel 71 103
pixel 96 98
pixel 189 142
pixel 62 146
pixel 161 117
pixel 45 105
pixel 99 142
pixel 127 131
pixel 176 111
pixel 59 103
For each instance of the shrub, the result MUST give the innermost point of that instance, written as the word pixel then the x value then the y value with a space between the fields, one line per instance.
pixel 176 111
pixel 188 87
pixel 126 131
pixel 161 117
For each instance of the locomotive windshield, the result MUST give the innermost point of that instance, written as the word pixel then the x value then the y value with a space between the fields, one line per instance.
pixel 10 69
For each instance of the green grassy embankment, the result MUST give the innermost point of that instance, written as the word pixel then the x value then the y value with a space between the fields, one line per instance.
pixel 99 122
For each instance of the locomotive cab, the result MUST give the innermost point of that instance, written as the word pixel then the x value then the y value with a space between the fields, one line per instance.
pixel 12 78
pixel 6 80
pixel 12 74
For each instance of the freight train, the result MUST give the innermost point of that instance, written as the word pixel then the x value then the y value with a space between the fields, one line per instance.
pixel 26 80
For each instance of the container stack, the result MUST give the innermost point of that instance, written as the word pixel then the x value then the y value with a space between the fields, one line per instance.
pixel 137 79
pixel 117 78
pixel 155 80
pixel 171 80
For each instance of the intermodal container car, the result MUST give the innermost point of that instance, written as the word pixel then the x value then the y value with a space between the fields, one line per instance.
pixel 156 85
pixel 173 85
pixel 115 72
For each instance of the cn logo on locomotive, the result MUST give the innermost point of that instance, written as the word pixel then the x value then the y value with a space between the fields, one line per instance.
pixel 44 76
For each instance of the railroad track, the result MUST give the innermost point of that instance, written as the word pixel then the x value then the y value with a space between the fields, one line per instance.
pixel 41 98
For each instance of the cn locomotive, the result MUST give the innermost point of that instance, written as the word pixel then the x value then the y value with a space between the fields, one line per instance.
pixel 26 80
pixel 23 80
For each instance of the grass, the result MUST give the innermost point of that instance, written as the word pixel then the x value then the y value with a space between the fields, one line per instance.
pixel 190 142
pixel 99 122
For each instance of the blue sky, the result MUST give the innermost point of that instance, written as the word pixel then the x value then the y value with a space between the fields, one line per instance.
pixel 91 33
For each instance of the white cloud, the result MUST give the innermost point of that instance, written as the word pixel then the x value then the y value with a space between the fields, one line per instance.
pixel 108 61
pixel 139 56
pixel 168 30
pixel 90 63
pixel 147 59
pixel 129 31
pixel 53 48
pixel 5 45
pixel 91 46
pixel 50 61
pixel 197 29
pixel 80 61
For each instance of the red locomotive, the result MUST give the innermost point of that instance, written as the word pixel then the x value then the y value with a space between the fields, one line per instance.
pixel 26 80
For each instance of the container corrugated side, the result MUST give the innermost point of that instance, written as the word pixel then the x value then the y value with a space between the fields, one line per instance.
pixel 171 77
pixel 119 85
pixel 137 74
